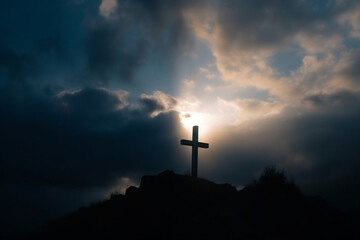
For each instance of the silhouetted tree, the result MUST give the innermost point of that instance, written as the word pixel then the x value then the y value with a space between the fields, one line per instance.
pixel 273 182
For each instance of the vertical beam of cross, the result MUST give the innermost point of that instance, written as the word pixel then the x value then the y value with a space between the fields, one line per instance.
pixel 195 145
pixel 194 163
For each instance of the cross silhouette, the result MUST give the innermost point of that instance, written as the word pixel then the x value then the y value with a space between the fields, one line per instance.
pixel 195 145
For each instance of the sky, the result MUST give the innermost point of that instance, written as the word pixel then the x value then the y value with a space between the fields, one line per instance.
pixel 96 93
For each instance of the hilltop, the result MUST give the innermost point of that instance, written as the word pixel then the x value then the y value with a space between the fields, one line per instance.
pixel 172 206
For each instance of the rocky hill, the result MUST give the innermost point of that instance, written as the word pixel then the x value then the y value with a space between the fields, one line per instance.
pixel 172 206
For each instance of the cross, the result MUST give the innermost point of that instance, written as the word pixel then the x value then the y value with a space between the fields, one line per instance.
pixel 195 145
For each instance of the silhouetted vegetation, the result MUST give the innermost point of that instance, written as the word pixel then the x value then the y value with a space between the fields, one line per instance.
pixel 273 184
pixel 172 206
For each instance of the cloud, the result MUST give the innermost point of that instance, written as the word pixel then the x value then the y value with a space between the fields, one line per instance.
pixel 15 66
pixel 244 36
pixel 87 138
pixel 157 103
pixel 101 100
pixel 350 17
pixel 108 54
pixel 253 31
pixel 255 109
pixel 107 8
pixel 348 71
pixel 139 31
pixel 207 73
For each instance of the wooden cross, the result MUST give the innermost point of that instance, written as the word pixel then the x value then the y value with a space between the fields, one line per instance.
pixel 195 145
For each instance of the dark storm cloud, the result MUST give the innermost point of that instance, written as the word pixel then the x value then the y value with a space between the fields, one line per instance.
pixel 83 139
pixel 329 133
pixel 139 30
pixel 342 99
pixel 40 44
pixel 30 26
pixel 102 101
pixel 16 67
pixel 108 54
pixel 90 136
pixel 53 46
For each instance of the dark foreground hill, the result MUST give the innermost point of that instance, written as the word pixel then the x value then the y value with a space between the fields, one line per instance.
pixel 171 206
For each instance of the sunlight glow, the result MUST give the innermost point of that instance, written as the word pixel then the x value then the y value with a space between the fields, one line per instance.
pixel 209 119
pixel 207 116
pixel 190 119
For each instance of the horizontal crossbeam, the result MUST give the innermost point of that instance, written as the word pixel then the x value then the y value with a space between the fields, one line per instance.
pixel 195 144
